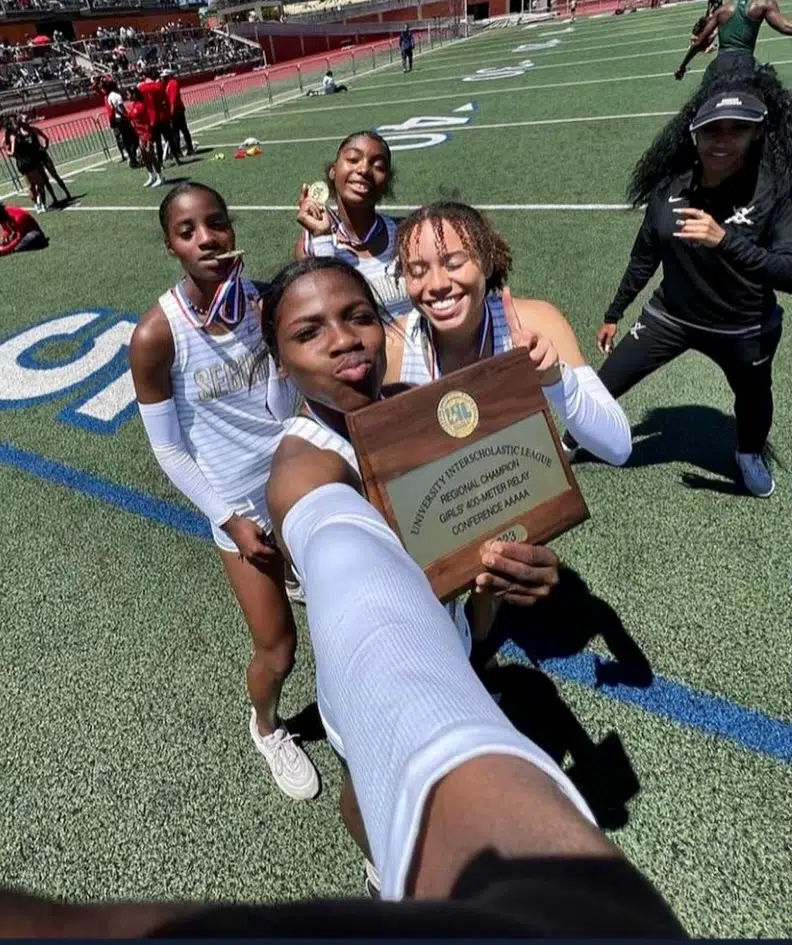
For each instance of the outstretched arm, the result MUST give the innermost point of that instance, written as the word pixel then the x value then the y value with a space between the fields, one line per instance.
pixel 775 18
pixel 700 44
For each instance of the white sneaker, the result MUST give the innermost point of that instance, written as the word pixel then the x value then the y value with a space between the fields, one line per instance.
pixel 292 769
pixel 373 882
pixel 158 181
pixel 756 474
pixel 149 180
pixel 294 591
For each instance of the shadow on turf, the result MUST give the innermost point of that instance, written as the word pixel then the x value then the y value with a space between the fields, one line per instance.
pixel 562 626
pixel 565 623
pixel 693 434
pixel 601 772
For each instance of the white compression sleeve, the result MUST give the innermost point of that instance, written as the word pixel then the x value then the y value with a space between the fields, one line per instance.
pixel 161 423
pixel 592 415
pixel 393 671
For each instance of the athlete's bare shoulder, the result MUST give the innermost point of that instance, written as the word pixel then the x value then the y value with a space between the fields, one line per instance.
pixel 152 340
pixel 758 9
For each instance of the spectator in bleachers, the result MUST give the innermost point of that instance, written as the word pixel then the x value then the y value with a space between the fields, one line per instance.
pixel 179 127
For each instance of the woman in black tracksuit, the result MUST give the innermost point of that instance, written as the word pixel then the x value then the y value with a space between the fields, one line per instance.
pixel 719 221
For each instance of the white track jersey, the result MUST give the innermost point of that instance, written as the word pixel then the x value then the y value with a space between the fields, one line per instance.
pixel 378 270
pixel 418 360
pixel 231 427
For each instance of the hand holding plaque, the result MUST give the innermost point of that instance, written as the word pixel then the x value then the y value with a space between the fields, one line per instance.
pixel 471 457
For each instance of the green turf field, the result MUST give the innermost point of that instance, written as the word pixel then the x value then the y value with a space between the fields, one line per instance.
pixel 662 673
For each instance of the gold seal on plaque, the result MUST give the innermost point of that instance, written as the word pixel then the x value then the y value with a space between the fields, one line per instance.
pixel 458 414
pixel 320 192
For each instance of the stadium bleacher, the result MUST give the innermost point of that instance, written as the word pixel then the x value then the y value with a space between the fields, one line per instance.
pixel 34 75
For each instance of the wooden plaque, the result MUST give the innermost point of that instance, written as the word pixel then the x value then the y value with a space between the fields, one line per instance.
pixel 471 457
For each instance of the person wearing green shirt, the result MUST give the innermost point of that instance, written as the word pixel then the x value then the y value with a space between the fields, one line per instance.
pixel 737 28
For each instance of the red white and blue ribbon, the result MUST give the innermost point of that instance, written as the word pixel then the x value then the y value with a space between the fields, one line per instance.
pixel 228 304
pixel 344 236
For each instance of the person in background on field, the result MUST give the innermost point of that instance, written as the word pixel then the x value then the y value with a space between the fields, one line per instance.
pixel 360 177
pixel 122 129
pixel 736 27
pixel 719 222
pixel 152 88
pixel 712 8
pixel 140 120
pixel 19 231
pixel 178 113
pixel 26 152
pixel 43 143
pixel 329 86
pixel 214 427
pixel 573 10
pixel 406 46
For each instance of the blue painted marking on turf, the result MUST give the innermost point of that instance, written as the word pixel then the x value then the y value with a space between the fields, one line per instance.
pixel 749 728
pixel 122 497
pixel 98 321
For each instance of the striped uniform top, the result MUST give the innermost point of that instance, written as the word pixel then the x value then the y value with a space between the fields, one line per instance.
pixel 324 438
pixel 231 422
pixel 419 360
pixel 380 271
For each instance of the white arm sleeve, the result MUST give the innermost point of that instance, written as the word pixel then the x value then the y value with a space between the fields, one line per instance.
pixel 387 650
pixel 592 414
pixel 162 427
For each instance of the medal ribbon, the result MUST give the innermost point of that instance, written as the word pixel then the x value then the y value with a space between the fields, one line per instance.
pixel 429 352
pixel 228 304
pixel 344 236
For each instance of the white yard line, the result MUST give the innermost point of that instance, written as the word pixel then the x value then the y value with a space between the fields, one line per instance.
pixel 474 90
pixel 506 55
pixel 572 64
pixel 483 127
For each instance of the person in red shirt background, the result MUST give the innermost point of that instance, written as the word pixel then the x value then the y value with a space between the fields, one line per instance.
pixel 140 118
pixel 19 231
pixel 126 139
pixel 152 88
pixel 178 113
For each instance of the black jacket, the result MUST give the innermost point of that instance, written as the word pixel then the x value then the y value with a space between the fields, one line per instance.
pixel 732 285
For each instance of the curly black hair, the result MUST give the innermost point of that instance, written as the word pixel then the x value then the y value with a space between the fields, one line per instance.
pixel 475 231
pixel 672 152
